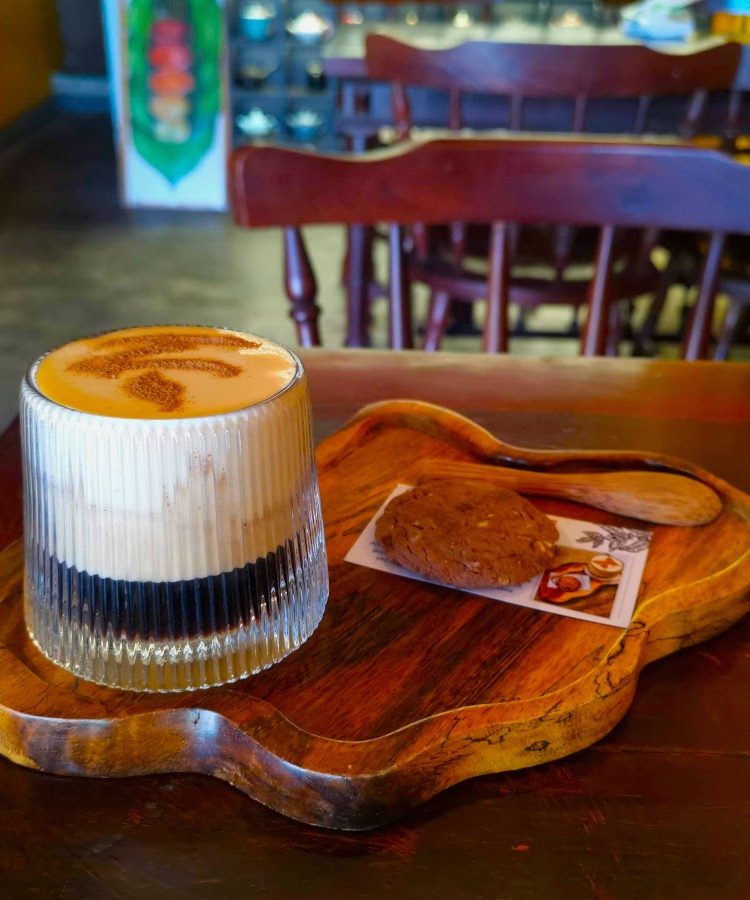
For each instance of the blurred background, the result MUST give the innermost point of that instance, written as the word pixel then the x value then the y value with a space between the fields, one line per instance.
pixel 116 121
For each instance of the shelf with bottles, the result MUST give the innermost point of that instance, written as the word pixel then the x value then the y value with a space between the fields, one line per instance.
pixel 328 142
pixel 279 89
pixel 261 69
pixel 292 118
pixel 244 98
pixel 277 47
pixel 299 24
pixel 460 14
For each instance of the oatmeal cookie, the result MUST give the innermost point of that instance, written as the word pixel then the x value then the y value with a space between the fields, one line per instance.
pixel 467 533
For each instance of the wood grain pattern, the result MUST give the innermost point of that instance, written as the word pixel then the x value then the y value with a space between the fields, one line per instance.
pixel 405 688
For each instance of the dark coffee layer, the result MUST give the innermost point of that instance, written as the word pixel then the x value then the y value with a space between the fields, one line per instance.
pixel 168 610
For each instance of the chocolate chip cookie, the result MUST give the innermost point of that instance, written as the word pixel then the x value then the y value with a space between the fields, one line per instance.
pixel 467 533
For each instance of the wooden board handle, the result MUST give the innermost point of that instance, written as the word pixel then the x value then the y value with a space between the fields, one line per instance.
pixel 656 497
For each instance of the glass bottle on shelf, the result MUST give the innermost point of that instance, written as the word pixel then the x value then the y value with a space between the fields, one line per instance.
pixel 257 20
pixel 256 63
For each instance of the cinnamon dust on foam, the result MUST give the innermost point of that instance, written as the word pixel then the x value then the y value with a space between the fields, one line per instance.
pixel 113 356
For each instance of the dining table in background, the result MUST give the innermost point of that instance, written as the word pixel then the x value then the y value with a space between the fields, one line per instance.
pixel 364 105
pixel 658 808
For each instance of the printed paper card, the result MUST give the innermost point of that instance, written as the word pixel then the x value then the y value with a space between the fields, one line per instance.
pixel 596 573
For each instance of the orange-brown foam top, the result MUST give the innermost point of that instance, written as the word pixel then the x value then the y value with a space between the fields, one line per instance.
pixel 164 372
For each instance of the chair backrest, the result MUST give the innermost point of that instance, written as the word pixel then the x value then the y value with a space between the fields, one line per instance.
pixel 526 74
pixel 577 72
pixel 608 184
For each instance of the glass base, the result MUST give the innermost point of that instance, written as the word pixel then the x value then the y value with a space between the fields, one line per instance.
pixel 177 636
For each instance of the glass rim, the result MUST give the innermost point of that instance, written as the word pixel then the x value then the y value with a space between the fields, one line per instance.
pixel 29 380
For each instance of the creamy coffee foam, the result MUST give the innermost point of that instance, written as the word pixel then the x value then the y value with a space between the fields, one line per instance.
pixel 165 372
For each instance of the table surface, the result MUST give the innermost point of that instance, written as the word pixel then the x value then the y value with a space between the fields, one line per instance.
pixel 343 56
pixel 659 808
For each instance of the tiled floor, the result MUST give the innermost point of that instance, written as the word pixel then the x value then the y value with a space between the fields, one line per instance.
pixel 73 262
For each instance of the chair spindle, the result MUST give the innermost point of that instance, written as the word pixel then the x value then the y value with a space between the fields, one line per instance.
pixel 357 285
pixel 641 114
pixel 579 113
pixel 516 112
pixel 301 287
pixel 496 322
pixel 595 334
pixel 401 111
pixel 694 113
pixel 699 329
pixel 399 292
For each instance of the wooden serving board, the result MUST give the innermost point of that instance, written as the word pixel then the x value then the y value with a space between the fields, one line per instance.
pixel 406 688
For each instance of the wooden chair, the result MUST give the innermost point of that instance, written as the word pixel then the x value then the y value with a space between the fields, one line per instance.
pixel 609 185
pixel 522 72
pixel 579 73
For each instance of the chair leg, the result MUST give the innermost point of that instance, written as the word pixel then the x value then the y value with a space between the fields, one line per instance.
pixel 437 317
pixel 463 321
pixel 357 285
pixel 614 329
pixel 645 335
pixel 594 338
pixel 301 288
pixel 399 291
pixel 522 324
pixel 697 335
pixel 574 329
pixel 344 273
pixel 375 290
pixel 495 338
pixel 735 322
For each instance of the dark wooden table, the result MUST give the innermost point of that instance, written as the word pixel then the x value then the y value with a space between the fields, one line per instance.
pixel 660 808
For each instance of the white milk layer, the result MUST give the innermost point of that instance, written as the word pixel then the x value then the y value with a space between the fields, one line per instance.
pixel 167 499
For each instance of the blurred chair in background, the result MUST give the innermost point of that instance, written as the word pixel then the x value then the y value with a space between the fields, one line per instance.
pixel 609 185
pixel 548 265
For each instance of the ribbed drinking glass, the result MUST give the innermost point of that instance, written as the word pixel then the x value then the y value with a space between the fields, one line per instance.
pixel 176 553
